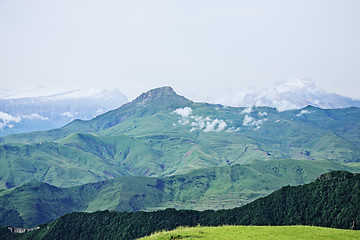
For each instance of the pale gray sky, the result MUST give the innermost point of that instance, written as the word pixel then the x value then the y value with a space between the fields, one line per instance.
pixel 197 47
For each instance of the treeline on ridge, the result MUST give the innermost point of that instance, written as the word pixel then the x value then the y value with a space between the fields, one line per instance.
pixel 330 201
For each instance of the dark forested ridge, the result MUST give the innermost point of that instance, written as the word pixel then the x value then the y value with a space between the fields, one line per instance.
pixel 330 201
pixel 333 200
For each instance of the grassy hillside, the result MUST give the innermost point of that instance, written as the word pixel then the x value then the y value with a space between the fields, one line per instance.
pixel 331 201
pixel 211 188
pixel 199 155
pixel 255 232
pixel 163 134
pixel 82 158
pixel 76 159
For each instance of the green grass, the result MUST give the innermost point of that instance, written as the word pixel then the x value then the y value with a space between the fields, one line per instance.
pixel 208 188
pixel 332 200
pixel 145 138
pixel 255 232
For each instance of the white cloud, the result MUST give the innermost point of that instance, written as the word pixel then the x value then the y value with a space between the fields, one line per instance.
pixel 67 114
pixel 262 114
pixel 184 121
pixel 302 113
pixel 247 120
pixel 286 95
pixel 183 112
pixel 283 105
pixel 7 120
pixel 250 121
pixel 198 122
pixel 34 116
pixel 247 110
pixel 221 126
pixel 99 111
pixel 215 125
pixel 210 126
pixel 4 117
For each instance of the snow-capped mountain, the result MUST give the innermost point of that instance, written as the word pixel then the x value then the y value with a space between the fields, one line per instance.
pixel 21 113
pixel 286 95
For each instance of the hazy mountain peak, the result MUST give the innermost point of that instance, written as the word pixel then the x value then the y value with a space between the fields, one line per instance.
pixel 286 95
pixel 296 84
pixel 88 93
pixel 71 94
pixel 163 96
pixel 19 112
pixel 157 92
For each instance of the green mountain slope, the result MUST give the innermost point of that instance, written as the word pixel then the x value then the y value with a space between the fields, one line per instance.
pixel 154 101
pixel 191 150
pixel 76 159
pixel 162 134
pixel 199 156
pixel 211 188
pixel 331 201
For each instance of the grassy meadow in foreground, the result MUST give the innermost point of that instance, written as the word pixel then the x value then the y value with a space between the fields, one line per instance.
pixel 255 232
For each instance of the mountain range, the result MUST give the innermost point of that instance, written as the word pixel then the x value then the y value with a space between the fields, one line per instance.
pixel 161 133
pixel 286 95
pixel 25 113
pixel 163 150
pixel 37 109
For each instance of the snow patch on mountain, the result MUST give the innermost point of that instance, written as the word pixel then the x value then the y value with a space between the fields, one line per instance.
pixel 287 95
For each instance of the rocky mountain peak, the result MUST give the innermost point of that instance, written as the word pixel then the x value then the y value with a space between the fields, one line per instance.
pixel 157 92
pixel 163 95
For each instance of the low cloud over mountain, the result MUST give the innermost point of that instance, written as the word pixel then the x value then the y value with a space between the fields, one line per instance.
pixel 293 94
pixel 21 112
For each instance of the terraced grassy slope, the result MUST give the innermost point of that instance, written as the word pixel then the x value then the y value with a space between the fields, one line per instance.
pixel 255 232
pixel 211 188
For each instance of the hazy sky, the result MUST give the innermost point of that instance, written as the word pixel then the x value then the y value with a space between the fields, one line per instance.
pixel 197 47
